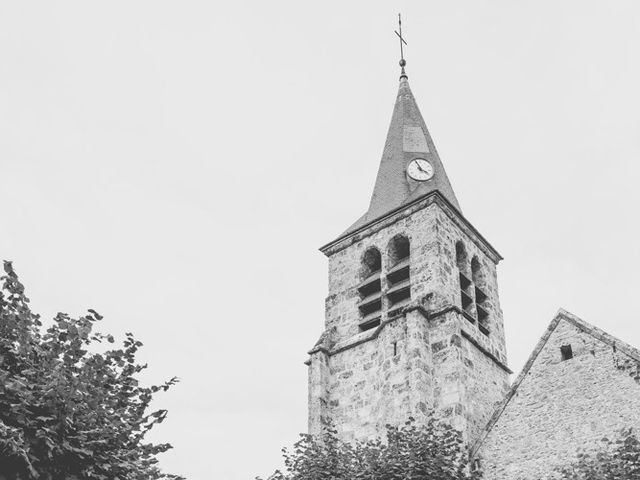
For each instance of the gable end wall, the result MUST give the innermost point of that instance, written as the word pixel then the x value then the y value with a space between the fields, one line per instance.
pixel 561 406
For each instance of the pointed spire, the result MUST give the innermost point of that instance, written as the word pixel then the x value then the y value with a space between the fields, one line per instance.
pixel 410 167
pixel 408 140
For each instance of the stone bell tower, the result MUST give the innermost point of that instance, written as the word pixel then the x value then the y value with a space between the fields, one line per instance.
pixel 413 321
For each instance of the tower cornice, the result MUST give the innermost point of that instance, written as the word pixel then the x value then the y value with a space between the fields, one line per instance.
pixel 429 316
pixel 405 210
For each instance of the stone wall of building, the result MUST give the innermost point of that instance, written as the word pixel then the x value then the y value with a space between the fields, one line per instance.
pixel 370 385
pixel 559 406
pixel 484 382
pixel 433 229
pixel 468 383
pixel 442 360
pixel 447 233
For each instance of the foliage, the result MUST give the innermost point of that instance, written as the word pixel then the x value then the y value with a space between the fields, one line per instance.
pixel 67 413
pixel 617 460
pixel 411 452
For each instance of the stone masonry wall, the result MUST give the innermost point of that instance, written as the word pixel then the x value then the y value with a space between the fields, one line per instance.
pixel 434 275
pixel 561 406
pixel 483 384
pixel 468 385
pixel 371 385
pixel 359 384
pixel 447 233
pixel 318 392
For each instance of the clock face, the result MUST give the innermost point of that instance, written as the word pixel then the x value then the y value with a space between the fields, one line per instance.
pixel 420 170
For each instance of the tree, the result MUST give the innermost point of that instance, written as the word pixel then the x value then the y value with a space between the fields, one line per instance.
pixel 411 452
pixel 616 460
pixel 67 412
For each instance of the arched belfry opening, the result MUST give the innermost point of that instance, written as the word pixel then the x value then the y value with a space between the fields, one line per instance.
pixel 370 289
pixel 481 298
pixel 464 275
pixel 462 260
pixel 398 273
pixel 398 250
pixel 371 262
pixel 477 275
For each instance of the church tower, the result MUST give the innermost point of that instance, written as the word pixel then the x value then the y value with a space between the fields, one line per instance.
pixel 413 321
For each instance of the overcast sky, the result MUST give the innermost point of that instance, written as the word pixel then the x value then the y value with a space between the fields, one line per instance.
pixel 176 165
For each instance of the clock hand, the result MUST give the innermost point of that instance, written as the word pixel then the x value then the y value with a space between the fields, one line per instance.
pixel 420 168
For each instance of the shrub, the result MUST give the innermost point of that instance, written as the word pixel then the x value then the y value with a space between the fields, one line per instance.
pixel 410 452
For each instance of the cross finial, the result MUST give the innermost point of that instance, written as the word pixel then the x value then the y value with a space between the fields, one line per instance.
pixel 403 62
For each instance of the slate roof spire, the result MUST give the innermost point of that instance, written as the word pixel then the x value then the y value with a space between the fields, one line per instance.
pixel 407 139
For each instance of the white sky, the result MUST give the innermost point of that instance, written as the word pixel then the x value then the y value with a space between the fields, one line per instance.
pixel 176 165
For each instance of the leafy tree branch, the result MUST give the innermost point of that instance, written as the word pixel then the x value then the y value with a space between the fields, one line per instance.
pixel 66 411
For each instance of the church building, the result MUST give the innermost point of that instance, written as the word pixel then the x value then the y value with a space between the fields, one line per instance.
pixel 414 328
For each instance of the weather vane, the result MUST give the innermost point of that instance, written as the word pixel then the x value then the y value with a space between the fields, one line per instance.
pixel 403 62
